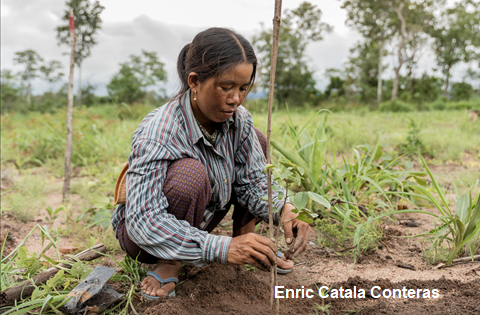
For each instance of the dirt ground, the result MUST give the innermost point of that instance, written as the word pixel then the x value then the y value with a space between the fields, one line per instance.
pixel 228 289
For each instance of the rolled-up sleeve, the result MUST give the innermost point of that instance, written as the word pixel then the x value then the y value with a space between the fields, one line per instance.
pixel 150 226
pixel 251 180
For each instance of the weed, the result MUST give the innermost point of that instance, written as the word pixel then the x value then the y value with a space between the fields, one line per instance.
pixel 323 308
pixel 328 233
pixel 27 195
pixel 413 143
pixel 248 267
pixel 458 227
pixel 53 214
pixel 435 254
pixel 20 265
pixel 396 106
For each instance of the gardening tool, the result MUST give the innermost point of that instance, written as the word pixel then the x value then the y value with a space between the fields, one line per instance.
pixel 93 295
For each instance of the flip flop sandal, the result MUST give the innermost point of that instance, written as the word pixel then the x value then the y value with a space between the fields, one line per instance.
pixel 162 282
pixel 282 271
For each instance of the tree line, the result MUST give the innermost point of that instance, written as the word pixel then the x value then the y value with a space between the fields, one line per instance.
pixel 398 30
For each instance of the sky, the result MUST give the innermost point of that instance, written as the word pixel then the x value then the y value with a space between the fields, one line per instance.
pixel 164 26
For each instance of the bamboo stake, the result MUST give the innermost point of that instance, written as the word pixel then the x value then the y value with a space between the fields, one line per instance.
pixel 273 64
pixel 68 149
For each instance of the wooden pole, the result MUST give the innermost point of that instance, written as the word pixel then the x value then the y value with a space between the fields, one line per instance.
pixel 273 64
pixel 68 149
pixel 25 289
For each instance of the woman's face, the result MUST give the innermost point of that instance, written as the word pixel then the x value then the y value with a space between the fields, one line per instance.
pixel 218 98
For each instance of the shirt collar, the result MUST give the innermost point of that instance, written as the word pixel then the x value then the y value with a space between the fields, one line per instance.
pixel 196 133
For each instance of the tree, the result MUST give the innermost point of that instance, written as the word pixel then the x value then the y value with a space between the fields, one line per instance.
pixel 87 23
pixel 461 91
pixel 413 17
pixel 474 76
pixel 294 81
pixel 10 90
pixel 456 36
pixel 336 86
pixel 399 22
pixel 374 21
pixel 135 76
pixel 30 59
pixel 50 72
pixel 362 71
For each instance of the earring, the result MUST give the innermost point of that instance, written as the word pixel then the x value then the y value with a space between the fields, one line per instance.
pixel 194 95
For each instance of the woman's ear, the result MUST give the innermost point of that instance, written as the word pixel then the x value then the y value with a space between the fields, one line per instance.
pixel 193 81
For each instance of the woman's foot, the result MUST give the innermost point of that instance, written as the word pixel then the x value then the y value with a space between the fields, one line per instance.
pixel 165 269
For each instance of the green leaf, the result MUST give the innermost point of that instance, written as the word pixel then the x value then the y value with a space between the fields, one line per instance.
pixel 286 174
pixel 53 282
pixel 50 260
pixel 304 217
pixel 47 299
pixel 101 201
pixel 437 187
pixel 421 181
pixel 474 220
pixel 386 157
pixel 320 199
pixel 407 165
pixel 301 170
pixel 276 188
pixel 345 222
pixel 461 209
pixel 300 200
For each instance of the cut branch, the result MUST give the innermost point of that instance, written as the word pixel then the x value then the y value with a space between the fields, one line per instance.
pixel 68 149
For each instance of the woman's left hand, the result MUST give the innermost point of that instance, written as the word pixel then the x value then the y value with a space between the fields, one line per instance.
pixel 294 228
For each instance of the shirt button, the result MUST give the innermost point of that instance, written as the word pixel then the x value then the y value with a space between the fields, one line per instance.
pixel 218 156
pixel 225 180
pixel 226 200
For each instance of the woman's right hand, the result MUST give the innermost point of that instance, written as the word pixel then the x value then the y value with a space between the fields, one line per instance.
pixel 252 249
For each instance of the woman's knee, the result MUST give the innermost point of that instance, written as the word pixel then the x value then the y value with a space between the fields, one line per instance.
pixel 186 180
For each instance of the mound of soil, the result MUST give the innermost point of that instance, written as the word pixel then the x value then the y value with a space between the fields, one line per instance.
pixel 221 289
pixel 227 289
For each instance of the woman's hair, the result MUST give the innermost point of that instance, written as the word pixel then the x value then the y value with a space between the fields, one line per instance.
pixel 211 53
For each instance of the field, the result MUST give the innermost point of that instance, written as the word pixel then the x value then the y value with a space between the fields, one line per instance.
pixel 365 254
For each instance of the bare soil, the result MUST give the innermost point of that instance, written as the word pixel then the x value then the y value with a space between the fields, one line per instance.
pixel 219 289
pixel 227 289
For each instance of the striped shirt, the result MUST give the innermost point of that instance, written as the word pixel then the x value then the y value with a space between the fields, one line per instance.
pixel 236 161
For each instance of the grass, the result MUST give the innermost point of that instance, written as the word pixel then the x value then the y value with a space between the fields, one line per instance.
pixel 50 296
pixel 449 135
pixel 26 196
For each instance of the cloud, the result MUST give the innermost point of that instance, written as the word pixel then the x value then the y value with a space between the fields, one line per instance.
pixel 33 26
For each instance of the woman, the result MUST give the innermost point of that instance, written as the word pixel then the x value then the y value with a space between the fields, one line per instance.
pixel 191 160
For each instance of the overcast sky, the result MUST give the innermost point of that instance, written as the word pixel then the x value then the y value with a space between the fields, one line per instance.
pixel 164 26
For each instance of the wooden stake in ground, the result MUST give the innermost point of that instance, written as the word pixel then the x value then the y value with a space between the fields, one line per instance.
pixel 68 149
pixel 273 64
